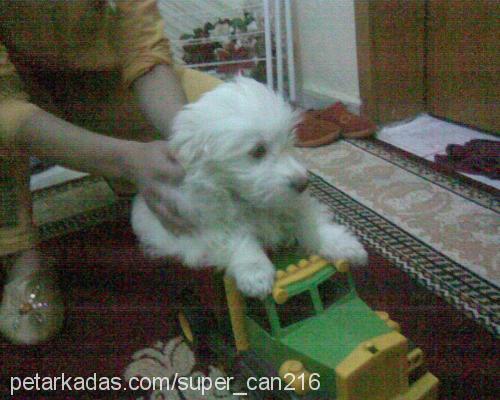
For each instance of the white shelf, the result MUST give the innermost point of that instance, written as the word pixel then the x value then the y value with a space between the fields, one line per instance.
pixel 269 45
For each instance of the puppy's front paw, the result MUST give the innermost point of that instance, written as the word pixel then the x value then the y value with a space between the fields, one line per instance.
pixel 340 244
pixel 256 281
pixel 353 252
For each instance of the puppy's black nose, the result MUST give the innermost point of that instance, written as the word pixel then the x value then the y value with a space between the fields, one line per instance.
pixel 300 184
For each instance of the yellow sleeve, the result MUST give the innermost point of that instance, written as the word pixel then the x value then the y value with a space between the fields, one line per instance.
pixel 142 42
pixel 195 83
pixel 14 104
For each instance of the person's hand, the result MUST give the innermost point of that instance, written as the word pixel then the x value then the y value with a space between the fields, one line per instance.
pixel 157 175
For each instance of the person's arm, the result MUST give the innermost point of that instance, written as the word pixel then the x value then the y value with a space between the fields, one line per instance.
pixel 150 166
pixel 160 96
pixel 14 101
pixel 51 138
pixel 26 126
pixel 144 51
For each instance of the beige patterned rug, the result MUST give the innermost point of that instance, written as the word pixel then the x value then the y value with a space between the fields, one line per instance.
pixel 173 360
pixel 457 220
pixel 441 229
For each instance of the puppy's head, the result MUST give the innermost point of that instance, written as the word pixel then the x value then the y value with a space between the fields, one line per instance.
pixel 243 133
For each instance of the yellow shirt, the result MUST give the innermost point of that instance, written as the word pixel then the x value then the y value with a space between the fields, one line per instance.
pixel 82 35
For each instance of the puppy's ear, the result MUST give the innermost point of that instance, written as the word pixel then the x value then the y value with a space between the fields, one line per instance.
pixel 189 137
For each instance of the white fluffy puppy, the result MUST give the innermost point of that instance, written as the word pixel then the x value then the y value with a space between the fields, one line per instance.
pixel 246 188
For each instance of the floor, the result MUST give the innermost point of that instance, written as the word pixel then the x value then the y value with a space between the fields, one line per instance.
pixel 426 136
pixel 53 176
pixel 111 279
pixel 120 311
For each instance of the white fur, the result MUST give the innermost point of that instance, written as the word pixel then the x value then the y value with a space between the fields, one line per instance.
pixel 242 204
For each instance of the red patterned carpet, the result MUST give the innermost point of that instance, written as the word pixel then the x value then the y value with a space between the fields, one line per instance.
pixel 120 308
pixel 118 303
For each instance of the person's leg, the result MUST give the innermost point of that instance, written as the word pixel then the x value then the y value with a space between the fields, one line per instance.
pixel 30 309
pixel 16 231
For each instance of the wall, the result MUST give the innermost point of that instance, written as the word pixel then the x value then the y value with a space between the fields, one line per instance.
pixel 326 52
pixel 324 38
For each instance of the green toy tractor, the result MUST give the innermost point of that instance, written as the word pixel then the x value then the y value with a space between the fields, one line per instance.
pixel 312 338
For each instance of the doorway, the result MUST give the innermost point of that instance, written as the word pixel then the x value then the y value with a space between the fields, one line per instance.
pixel 435 56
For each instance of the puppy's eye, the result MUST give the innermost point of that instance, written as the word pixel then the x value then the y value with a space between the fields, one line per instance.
pixel 259 151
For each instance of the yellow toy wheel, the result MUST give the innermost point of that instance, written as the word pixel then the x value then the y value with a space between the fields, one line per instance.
pixel 185 327
pixel 195 323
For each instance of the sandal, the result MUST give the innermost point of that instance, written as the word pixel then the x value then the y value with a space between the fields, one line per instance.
pixel 31 310
pixel 314 132
pixel 352 125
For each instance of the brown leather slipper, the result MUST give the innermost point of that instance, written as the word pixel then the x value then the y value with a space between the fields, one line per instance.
pixel 352 125
pixel 314 132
